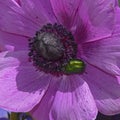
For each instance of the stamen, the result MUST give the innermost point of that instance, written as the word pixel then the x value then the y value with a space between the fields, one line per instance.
pixel 52 48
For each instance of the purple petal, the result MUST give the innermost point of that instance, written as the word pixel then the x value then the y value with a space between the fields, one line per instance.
pixel 41 111
pixel 105 89
pixel 71 101
pixel 117 2
pixel 13 19
pixel 117 21
pixel 87 20
pixel 104 54
pixel 101 18
pixel 96 20
pixel 66 11
pixel 22 87
pixel 18 1
pixel 39 11
pixel 12 42
pixel 26 19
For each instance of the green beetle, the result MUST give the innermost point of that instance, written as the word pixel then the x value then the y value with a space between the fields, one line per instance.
pixel 74 66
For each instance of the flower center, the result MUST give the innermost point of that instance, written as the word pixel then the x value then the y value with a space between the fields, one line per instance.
pixel 49 46
pixel 52 48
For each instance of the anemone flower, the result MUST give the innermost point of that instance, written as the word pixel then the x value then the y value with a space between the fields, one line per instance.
pixel 60 59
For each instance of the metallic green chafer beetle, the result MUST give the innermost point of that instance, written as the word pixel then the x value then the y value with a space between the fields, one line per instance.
pixel 74 66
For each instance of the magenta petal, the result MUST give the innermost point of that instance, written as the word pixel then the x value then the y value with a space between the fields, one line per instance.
pixel 13 42
pixel 18 1
pixel 101 18
pixel 39 11
pixel 104 54
pixel 98 11
pixel 21 86
pixel 25 19
pixel 97 20
pixel 117 2
pixel 105 89
pixel 67 13
pixel 69 99
pixel 117 21
pixel 13 19
pixel 65 10
pixel 42 110
pixel 73 101
pixel 87 20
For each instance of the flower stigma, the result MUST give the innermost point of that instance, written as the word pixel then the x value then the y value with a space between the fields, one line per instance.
pixel 54 50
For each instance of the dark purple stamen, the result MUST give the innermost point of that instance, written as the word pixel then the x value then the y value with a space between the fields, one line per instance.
pixel 52 48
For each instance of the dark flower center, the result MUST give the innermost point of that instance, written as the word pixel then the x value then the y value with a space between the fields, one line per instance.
pixel 49 46
pixel 52 48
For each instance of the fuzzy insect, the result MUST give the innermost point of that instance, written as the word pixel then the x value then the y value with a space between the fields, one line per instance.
pixel 74 66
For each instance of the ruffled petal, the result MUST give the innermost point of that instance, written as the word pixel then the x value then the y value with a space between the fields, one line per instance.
pixel 24 19
pixel 105 89
pixel 21 86
pixel 12 42
pixel 69 99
